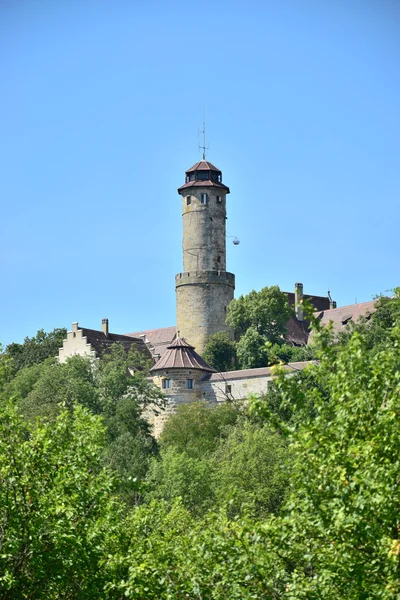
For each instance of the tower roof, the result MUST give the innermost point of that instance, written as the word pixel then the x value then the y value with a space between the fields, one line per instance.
pixel 203 174
pixel 203 165
pixel 181 355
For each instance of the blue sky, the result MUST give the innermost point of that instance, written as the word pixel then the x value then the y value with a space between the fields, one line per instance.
pixel 99 112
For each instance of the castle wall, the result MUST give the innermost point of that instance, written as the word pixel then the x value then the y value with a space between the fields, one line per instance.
pixel 224 390
pixel 202 298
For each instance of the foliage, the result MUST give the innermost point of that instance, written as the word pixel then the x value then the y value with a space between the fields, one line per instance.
pixel 252 350
pixel 250 470
pixel 178 475
pixel 106 388
pixel 36 349
pixel 266 311
pixel 220 352
pixel 286 353
pixel 341 524
pixel 197 428
pixel 171 554
pixel 56 507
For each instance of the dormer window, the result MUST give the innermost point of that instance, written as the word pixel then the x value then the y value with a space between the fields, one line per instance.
pixel 204 198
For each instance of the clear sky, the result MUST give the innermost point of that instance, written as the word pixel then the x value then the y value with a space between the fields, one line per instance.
pixel 100 105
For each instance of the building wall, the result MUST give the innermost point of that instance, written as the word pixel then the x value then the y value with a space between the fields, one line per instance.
pixel 176 395
pixel 76 343
pixel 223 390
pixel 204 235
pixel 202 298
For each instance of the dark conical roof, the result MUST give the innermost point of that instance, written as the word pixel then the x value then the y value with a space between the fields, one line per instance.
pixel 181 355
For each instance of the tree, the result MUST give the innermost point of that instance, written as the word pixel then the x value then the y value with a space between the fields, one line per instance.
pixel 106 387
pixel 178 475
pixel 250 469
pixel 35 350
pixel 56 507
pixel 252 350
pixel 339 532
pixel 220 352
pixel 266 311
pixel 197 428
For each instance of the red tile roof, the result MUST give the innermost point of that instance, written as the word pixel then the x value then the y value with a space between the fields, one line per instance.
pixel 181 355
pixel 342 315
pixel 156 339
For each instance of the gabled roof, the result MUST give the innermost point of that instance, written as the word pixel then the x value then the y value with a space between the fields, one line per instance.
pixel 157 340
pixel 342 315
pixel 100 342
pixel 181 355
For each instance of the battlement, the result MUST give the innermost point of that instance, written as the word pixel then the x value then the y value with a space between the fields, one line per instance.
pixel 205 277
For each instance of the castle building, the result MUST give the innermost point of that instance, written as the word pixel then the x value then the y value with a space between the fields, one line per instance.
pixel 204 290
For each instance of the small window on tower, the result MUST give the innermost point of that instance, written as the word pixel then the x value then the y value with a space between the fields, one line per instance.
pixel 218 259
pixel 219 199
pixel 166 384
pixel 204 198
pixel 189 384
pixel 188 200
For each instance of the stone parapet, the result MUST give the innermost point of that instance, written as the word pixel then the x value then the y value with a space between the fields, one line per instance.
pixel 205 277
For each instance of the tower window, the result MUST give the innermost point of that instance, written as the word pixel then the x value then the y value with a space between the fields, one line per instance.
pixel 219 199
pixel 218 259
pixel 188 200
pixel 189 384
pixel 204 198
pixel 166 384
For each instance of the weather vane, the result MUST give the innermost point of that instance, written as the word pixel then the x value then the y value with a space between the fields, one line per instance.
pixel 203 147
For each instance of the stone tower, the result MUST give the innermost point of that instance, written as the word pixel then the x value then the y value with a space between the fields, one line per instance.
pixel 205 288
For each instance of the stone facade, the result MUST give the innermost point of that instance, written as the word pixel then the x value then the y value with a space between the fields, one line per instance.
pixel 76 344
pixel 178 393
pixel 204 289
pixel 202 299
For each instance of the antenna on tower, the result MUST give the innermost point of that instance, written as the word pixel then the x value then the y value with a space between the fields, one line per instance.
pixel 203 147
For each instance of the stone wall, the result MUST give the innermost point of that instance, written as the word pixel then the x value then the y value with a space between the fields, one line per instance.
pixel 76 343
pixel 204 235
pixel 202 298
pixel 178 393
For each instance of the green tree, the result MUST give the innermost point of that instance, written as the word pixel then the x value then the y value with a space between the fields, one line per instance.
pixel 220 352
pixel 340 527
pixel 177 475
pixel 266 311
pixel 252 350
pixel 36 349
pixel 197 428
pixel 251 471
pixel 56 507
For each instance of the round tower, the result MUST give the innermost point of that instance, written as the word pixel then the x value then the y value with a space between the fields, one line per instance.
pixel 204 288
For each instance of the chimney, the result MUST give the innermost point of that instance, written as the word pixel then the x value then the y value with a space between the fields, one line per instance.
pixel 104 326
pixel 298 301
pixel 332 304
